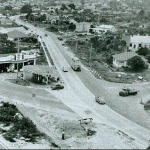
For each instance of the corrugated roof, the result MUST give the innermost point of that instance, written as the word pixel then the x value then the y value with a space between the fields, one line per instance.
pixel 39 69
pixel 140 39
pixel 124 56
pixel 16 34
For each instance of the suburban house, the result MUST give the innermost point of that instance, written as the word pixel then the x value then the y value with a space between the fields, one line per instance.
pixel 103 29
pixel 120 60
pixel 82 27
pixel 136 41
pixel 13 34
pixel 40 73
pixel 8 62
pixel 5 21
pixel 52 18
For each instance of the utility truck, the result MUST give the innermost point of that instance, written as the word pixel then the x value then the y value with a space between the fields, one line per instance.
pixel 75 64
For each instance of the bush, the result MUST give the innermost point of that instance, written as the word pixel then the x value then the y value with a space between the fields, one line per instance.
pixel 147 105
pixel 90 132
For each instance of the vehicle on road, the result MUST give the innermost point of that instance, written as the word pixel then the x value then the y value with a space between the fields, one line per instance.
pixel 128 91
pixel 60 38
pixel 65 69
pixel 75 64
pixel 100 100
pixel 57 87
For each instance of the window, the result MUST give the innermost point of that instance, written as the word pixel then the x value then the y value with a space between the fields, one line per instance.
pixel 134 46
pixel 130 45
pixel 140 45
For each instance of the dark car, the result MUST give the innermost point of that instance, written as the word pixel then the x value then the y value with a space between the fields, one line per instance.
pixel 57 87
pixel 128 91
pixel 59 38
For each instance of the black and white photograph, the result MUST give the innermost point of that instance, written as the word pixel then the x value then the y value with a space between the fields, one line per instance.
pixel 75 74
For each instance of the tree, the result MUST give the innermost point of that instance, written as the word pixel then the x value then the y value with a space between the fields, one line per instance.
pixel 72 26
pixel 8 7
pixel 26 9
pixel 63 7
pixel 72 6
pixel 143 51
pixel 141 13
pixel 136 63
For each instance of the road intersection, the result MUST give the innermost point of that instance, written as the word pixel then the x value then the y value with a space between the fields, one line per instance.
pixel 80 91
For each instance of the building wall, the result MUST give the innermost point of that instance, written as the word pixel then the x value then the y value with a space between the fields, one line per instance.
pixel 82 27
pixel 135 46
pixel 118 63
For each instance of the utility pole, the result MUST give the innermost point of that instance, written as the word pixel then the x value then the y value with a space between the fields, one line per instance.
pixel 91 53
pixel 18 60
pixel 76 46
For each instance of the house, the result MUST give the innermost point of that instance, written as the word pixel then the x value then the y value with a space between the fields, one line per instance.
pixel 15 34
pixel 83 27
pixel 5 21
pixel 103 29
pixel 52 18
pixel 120 60
pixel 134 42
pixel 106 28
pixel 8 62
pixel 40 73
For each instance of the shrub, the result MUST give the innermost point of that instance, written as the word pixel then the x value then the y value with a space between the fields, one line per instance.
pixel 147 105
pixel 90 132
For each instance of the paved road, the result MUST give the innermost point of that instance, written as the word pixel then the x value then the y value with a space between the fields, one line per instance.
pixel 129 107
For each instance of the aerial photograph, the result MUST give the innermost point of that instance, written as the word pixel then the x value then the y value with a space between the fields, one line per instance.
pixel 75 74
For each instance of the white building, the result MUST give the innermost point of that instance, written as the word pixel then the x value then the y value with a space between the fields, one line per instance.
pixel 106 28
pixel 8 62
pixel 137 41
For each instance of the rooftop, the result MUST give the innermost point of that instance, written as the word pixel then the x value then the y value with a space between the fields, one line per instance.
pixel 124 56
pixel 140 39
pixel 39 69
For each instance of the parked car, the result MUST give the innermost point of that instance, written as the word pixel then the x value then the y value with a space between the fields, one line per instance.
pixel 57 87
pixel 65 69
pixel 100 100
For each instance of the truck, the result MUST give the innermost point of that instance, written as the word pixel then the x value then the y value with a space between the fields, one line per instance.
pixel 75 64
pixel 128 91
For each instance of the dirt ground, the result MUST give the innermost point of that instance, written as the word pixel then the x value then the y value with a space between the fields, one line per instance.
pixel 54 124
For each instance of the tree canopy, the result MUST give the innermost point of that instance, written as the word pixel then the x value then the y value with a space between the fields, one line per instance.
pixel 26 9
pixel 72 6
pixel 143 51
pixel 136 63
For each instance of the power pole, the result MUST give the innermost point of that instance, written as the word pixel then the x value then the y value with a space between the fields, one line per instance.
pixel 76 46
pixel 18 60
pixel 91 53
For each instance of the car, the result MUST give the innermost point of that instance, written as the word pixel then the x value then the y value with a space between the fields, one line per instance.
pixel 100 100
pixel 128 91
pixel 60 38
pixel 57 87
pixel 46 35
pixel 65 69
